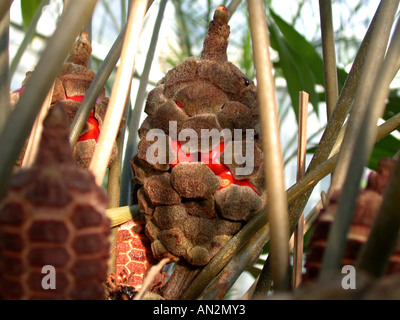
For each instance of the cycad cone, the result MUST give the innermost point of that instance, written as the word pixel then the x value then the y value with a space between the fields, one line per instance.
pixel 192 208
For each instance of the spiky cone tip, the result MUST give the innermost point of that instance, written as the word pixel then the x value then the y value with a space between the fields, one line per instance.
pixel 81 51
pixel 216 42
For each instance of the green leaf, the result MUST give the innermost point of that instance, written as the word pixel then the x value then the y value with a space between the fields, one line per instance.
pixel 308 60
pixel 246 63
pixel 28 9
pixel 305 49
pixel 385 148
pixel 297 73
pixel 388 146
pixel 393 106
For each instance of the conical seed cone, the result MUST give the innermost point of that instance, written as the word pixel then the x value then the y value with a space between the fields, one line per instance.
pixel 53 228
pixel 199 165
pixel 69 89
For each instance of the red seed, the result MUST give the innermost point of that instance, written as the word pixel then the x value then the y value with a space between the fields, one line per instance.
pixel 181 156
pixel 94 131
pixel 211 159
pixel 228 178
pixel 20 90
pixel 76 98
pixel 179 104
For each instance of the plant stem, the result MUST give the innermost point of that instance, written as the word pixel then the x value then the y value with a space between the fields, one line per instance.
pixel 367 78
pixel 36 133
pixel 336 121
pixel 242 259
pixel 354 151
pixel 28 37
pixel 119 94
pixel 131 146
pixel 124 12
pixel 384 233
pixel 21 119
pixel 4 7
pixel 273 160
pixel 233 5
pixel 301 168
pixel 263 283
pixel 329 55
pixel 121 215
pixel 4 70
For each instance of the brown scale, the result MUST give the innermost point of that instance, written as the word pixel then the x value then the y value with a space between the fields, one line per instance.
pixel 54 214
pixel 193 209
pixel 367 208
pixel 69 89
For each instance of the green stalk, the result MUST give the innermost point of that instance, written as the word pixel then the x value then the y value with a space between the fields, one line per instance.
pixel 121 215
pixel 337 119
pixel 20 121
pixel 329 55
pixel 131 146
pixel 4 7
pixel 384 233
pixel 243 259
pixel 233 5
pixel 28 37
pixel 120 92
pixel 367 78
pixel 262 285
pixel 113 194
pixel 273 160
pixel 4 70
pixel 361 131
pixel 123 12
